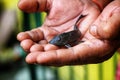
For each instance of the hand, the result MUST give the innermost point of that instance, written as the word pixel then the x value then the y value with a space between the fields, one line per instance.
pixel 61 16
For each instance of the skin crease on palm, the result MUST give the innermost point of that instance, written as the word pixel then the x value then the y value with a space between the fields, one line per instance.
pixel 97 30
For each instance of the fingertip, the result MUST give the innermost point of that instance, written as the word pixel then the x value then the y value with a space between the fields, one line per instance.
pixel 28 59
pixel 47 57
pixel 31 58
pixel 50 47
pixel 41 58
pixel 27 6
pixel 22 36
pixel 26 44
pixel 23 4
pixel 43 42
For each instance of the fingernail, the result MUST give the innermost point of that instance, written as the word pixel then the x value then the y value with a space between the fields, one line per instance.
pixel 93 30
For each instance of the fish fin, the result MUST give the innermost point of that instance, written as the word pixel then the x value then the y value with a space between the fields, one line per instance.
pixel 76 27
pixel 81 16
pixel 68 45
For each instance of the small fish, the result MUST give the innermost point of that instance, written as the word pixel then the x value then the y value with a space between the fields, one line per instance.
pixel 68 39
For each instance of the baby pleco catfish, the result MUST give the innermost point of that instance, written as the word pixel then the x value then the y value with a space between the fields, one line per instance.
pixel 68 39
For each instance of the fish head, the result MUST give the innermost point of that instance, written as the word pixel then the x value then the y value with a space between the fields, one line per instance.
pixel 57 40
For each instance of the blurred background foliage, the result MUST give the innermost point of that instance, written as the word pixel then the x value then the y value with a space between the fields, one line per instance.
pixel 12 64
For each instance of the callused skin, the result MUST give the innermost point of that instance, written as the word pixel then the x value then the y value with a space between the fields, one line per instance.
pixel 68 39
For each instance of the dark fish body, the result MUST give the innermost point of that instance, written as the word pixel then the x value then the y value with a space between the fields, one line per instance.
pixel 66 39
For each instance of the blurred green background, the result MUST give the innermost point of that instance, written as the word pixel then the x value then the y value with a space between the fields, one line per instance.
pixel 13 65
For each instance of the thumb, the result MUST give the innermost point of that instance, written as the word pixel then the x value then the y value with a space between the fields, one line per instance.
pixel 32 5
pixel 107 26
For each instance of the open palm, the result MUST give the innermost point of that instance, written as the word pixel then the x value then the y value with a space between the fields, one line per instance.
pixel 61 16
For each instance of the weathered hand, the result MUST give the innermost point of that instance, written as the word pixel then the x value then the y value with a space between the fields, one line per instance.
pixel 61 17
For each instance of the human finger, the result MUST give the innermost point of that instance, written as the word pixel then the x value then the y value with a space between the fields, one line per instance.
pixel 26 44
pixel 51 57
pixel 35 35
pixel 107 26
pixel 89 52
pixel 91 13
pixel 48 47
pixel 33 5
pixel 36 47
pixel 31 58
